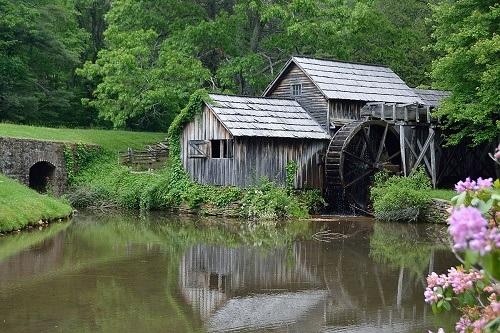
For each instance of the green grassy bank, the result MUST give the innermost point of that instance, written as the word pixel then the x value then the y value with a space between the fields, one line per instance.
pixel 109 140
pixel 21 206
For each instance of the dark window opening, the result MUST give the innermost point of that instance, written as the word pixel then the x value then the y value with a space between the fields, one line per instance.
pixel 222 148
pixel 215 148
pixel 41 175
pixel 296 89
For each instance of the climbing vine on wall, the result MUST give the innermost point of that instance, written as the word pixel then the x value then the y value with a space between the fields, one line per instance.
pixel 78 156
pixel 291 171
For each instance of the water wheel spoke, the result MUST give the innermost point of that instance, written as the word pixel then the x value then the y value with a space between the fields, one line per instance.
pixel 368 146
pixel 382 143
pixel 393 155
pixel 366 173
pixel 356 157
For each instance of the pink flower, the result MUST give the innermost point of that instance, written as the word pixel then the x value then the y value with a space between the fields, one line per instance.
pixel 467 185
pixel 482 184
pixel 434 280
pixel 463 324
pixel 461 281
pixel 468 228
pixel 497 152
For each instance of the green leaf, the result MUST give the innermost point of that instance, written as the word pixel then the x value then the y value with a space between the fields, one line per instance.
pixel 491 263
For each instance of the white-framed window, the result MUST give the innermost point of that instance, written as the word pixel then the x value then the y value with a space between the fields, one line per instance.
pixel 296 89
pixel 221 148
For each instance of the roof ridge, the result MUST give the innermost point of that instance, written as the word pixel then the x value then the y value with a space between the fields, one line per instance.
pixel 342 61
pixel 260 97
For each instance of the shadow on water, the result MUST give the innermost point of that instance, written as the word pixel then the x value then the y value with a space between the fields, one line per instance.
pixel 122 273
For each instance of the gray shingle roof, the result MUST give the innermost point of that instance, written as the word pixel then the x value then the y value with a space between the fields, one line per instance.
pixel 359 82
pixel 431 97
pixel 265 117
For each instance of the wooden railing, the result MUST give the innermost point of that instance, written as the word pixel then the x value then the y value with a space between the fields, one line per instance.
pixel 153 157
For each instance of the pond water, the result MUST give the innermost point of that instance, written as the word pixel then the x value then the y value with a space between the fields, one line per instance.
pixel 122 273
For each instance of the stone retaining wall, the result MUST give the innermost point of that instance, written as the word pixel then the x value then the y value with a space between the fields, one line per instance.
pixel 437 212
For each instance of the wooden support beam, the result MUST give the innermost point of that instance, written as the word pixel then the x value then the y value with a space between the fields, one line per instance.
pixel 394 112
pixel 413 152
pixel 417 114
pixel 405 110
pixel 402 147
pixel 422 152
pixel 428 112
pixel 433 157
pixel 382 110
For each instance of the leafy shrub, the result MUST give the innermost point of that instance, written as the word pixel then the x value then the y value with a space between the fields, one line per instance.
pixel 86 196
pixel 268 201
pixel 312 199
pixel 397 198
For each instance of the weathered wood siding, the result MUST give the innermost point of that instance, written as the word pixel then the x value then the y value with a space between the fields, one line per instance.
pixel 254 157
pixel 344 110
pixel 266 157
pixel 217 171
pixel 312 100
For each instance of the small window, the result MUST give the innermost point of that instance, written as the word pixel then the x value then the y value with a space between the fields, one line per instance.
pixel 296 89
pixel 222 148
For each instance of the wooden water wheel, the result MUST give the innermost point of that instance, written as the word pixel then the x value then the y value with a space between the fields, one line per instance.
pixel 356 152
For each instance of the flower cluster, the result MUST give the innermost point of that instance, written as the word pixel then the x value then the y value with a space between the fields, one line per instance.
pixel 469 230
pixel 475 320
pixel 458 279
pixel 473 185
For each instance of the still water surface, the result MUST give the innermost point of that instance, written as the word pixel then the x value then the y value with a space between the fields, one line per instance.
pixel 123 273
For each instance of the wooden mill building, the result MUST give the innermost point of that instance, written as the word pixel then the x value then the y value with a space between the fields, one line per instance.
pixel 340 122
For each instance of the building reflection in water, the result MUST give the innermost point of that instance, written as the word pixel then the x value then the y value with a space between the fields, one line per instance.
pixel 309 287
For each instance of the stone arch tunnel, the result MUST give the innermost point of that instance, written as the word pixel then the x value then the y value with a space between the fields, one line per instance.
pixel 35 163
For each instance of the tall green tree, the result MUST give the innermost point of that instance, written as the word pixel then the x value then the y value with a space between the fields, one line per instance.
pixel 467 42
pixel 40 46
pixel 143 81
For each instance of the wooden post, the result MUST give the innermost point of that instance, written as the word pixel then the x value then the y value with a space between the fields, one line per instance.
pixel 433 157
pixel 394 112
pixel 428 112
pixel 130 154
pixel 417 113
pixel 402 147
pixel 382 116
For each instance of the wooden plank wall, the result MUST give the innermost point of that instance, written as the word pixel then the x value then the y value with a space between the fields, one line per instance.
pixel 253 157
pixel 312 100
pixel 268 157
pixel 217 171
pixel 345 110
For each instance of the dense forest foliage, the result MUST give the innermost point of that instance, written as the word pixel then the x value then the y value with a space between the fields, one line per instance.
pixel 134 63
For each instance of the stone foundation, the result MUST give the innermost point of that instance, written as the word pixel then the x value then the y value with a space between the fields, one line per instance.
pixel 437 212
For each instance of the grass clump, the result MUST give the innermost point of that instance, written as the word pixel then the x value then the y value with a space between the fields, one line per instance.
pixel 402 199
pixel 22 206
pixel 442 194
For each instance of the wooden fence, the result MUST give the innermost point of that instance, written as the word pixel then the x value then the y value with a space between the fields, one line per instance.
pixel 153 157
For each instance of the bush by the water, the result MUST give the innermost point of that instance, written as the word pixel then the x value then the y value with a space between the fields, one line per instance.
pixel 397 198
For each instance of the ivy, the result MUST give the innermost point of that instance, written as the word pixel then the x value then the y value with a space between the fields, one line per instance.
pixel 78 156
pixel 291 171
